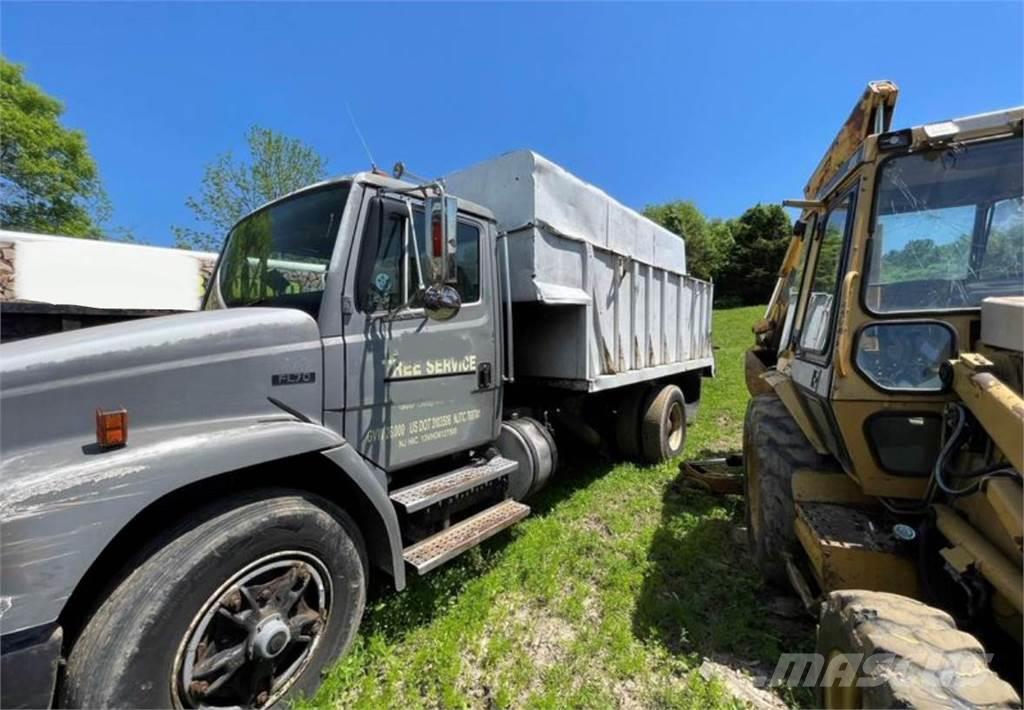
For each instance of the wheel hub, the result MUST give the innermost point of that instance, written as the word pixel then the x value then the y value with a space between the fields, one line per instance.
pixel 270 637
pixel 255 635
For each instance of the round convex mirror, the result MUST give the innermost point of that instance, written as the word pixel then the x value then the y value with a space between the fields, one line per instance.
pixel 441 302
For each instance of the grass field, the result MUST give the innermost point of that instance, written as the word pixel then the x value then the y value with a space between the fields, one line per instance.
pixel 610 594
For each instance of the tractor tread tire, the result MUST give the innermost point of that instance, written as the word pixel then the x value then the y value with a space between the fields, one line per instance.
pixel 922 659
pixel 773 449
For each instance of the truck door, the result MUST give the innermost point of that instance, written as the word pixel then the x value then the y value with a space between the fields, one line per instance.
pixel 417 389
pixel 813 364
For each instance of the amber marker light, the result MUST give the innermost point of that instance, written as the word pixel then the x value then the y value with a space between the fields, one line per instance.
pixel 111 428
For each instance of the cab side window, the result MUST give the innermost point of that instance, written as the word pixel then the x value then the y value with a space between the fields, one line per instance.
pixel 388 277
pixel 822 296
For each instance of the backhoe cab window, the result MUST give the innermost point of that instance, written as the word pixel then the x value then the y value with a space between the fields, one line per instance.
pixel 825 278
pixel 384 264
pixel 948 228
pixel 279 255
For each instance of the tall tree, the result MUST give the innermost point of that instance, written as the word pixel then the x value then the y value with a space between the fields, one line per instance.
pixel 707 244
pixel 230 189
pixel 48 180
pixel 761 236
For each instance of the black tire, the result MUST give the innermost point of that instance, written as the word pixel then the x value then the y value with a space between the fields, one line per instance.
pixel 906 655
pixel 627 423
pixel 773 449
pixel 132 650
pixel 663 427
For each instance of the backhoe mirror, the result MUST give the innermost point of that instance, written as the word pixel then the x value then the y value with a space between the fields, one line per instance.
pixel 442 213
pixel 441 302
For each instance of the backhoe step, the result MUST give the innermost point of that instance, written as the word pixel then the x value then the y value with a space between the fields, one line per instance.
pixel 433 490
pixel 437 549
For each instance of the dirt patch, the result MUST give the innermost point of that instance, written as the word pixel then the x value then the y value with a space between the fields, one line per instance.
pixel 594 524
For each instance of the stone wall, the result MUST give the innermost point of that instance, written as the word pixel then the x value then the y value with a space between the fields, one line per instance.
pixel 6 271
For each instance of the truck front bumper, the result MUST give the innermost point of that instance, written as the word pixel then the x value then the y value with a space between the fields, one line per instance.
pixel 28 666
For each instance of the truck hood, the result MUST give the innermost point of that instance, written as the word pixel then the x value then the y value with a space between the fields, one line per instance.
pixel 210 365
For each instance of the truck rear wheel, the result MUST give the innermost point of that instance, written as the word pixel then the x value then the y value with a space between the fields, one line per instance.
pixel 663 427
pixel 884 650
pixel 627 421
pixel 773 449
pixel 242 603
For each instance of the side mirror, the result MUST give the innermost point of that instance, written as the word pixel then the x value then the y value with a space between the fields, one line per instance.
pixel 441 302
pixel 442 215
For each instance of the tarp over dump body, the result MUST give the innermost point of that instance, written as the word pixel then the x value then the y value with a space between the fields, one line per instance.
pixel 601 294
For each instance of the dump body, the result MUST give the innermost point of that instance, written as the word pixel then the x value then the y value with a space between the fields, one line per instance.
pixel 601 295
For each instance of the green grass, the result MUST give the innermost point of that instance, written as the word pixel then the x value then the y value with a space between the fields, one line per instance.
pixel 610 594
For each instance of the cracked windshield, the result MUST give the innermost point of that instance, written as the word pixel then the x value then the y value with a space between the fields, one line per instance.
pixel 949 228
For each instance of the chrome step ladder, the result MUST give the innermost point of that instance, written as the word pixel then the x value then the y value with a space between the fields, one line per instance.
pixel 437 549
pixel 452 484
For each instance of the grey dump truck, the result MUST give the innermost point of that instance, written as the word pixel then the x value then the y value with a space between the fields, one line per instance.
pixel 193 506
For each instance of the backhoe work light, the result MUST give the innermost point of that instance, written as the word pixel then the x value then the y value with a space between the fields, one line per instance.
pixel 111 428
pixel 895 140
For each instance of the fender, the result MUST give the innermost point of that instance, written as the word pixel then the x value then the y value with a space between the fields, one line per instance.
pixel 64 504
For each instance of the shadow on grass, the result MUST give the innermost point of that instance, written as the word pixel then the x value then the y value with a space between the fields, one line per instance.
pixel 702 595
pixel 392 616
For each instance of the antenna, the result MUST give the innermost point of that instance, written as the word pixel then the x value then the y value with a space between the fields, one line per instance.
pixel 373 163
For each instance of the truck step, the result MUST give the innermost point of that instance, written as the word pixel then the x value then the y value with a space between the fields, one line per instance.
pixel 438 549
pixel 448 485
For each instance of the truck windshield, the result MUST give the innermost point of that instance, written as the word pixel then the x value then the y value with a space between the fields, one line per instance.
pixel 948 228
pixel 279 255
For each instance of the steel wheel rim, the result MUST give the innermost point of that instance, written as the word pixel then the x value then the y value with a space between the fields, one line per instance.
pixel 287 592
pixel 675 426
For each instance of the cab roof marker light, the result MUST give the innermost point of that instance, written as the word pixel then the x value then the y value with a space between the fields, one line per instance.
pixel 941 131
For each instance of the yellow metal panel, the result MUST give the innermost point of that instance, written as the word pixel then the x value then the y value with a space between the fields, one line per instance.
pixel 1005 497
pixel 844 555
pixel 811 486
pixel 993 565
pixel 879 96
pixel 784 387
pixel 999 409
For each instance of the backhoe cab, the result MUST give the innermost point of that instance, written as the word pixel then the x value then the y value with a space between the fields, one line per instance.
pixel 883 443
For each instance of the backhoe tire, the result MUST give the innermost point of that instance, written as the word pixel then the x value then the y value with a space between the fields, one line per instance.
pixel 900 653
pixel 627 422
pixel 243 602
pixel 773 449
pixel 663 427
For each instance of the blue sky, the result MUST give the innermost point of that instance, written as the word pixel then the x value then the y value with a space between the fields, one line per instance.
pixel 726 104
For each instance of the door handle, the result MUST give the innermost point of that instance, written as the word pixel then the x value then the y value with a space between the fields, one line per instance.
pixel 484 377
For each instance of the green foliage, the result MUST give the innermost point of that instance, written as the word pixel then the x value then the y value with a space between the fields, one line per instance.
pixel 742 256
pixel 48 179
pixel 231 189
pixel 708 244
pixel 761 235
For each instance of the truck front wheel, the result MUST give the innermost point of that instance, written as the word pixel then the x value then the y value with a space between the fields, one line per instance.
pixel 241 604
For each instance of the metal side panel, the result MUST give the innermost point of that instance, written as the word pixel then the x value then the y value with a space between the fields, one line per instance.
pixel 462 480
pixel 438 549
